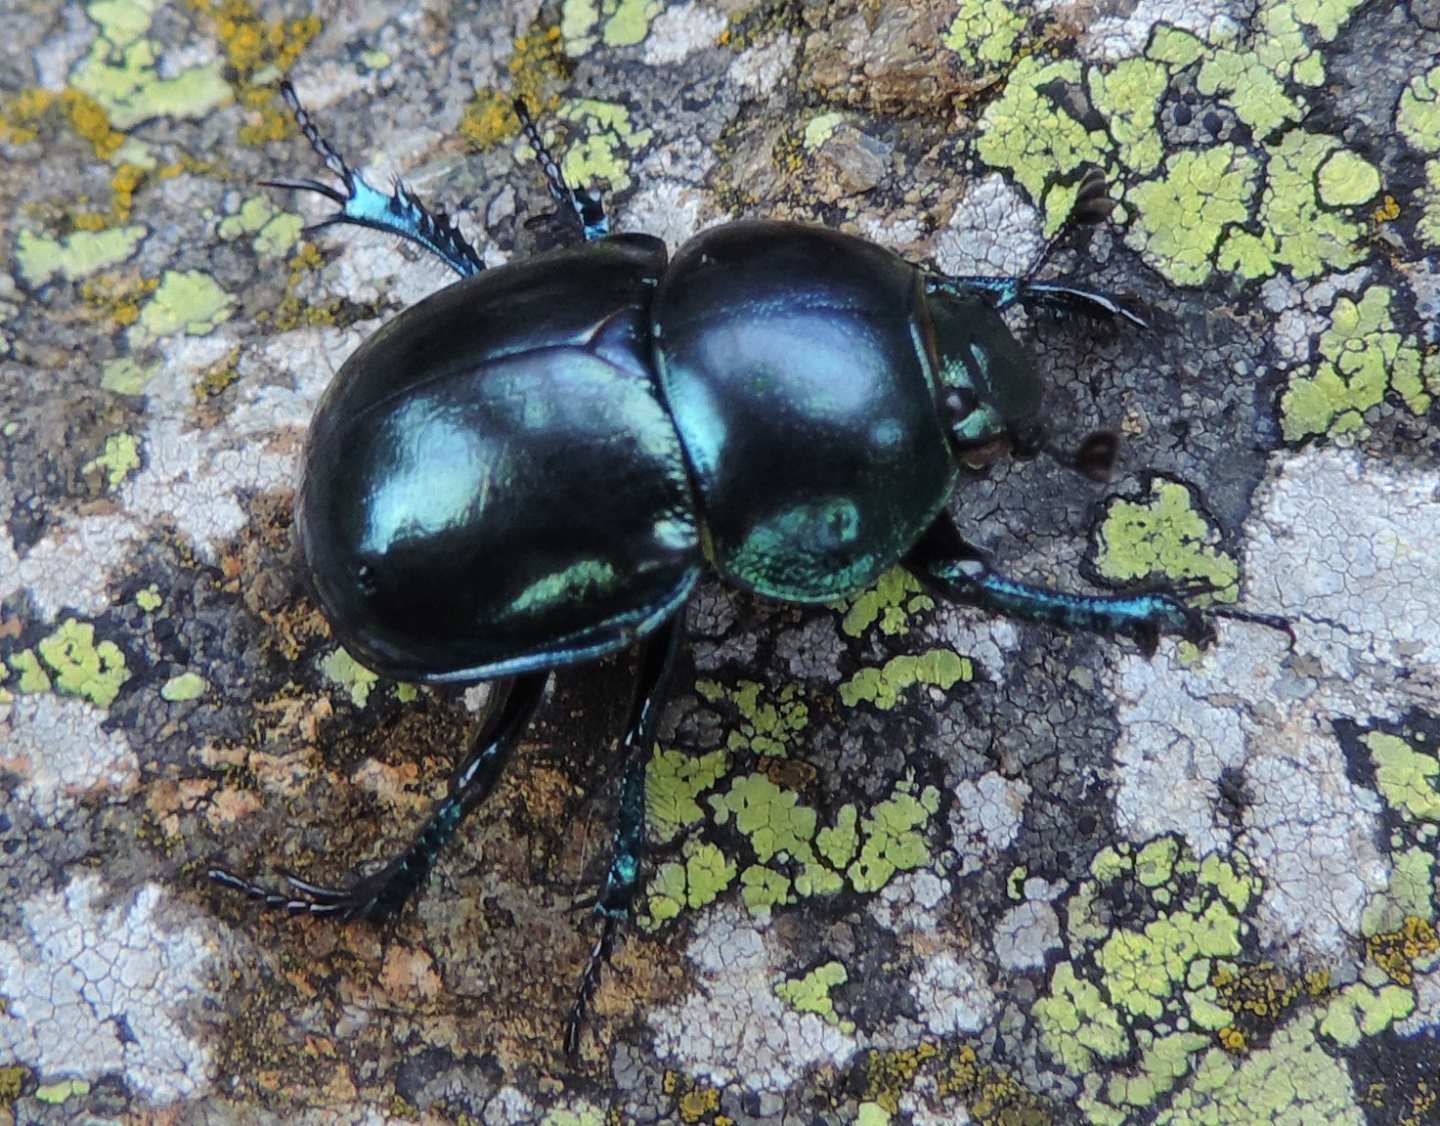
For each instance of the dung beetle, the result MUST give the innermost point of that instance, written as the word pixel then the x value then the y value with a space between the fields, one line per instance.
pixel 531 468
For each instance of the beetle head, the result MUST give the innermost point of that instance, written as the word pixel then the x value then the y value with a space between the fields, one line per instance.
pixel 986 389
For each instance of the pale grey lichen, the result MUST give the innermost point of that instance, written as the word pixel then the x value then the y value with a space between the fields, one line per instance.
pixel 78 973
pixel 995 230
pixel 60 751
pixel 1340 546
pixel 681 30
pixel 733 1026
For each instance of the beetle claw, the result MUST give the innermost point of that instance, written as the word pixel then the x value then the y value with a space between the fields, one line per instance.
pixel 306 185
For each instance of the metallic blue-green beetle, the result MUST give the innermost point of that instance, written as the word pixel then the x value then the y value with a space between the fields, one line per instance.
pixel 531 468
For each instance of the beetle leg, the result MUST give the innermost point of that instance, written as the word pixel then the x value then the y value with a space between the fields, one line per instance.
pixel 578 211
pixel 361 205
pixel 955 570
pixel 1091 206
pixel 381 894
pixel 622 881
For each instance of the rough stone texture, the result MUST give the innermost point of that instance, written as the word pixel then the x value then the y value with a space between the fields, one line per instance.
pixel 910 863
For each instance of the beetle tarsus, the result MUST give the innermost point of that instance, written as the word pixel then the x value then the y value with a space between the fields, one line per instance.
pixel 945 563
pixel 383 893
pixel 615 903
pixel 362 205
pixel 1061 299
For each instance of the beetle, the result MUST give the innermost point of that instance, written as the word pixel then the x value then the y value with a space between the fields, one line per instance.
pixel 531 468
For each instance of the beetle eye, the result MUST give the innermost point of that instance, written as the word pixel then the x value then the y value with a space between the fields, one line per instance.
pixel 960 404
pixel 365 580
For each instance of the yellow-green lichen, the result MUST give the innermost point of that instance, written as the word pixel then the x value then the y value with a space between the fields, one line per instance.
pixel 769 721
pixel 1181 217
pixel 983 32
pixel 149 599
pixel 1144 969
pixel 1128 94
pixel 603 135
pixel 894 837
pixel 882 687
pixel 705 872
pixel 1406 777
pixel 347 672
pixel 1025 131
pixel 124 71
pixel 1126 986
pixel 1296 231
pixel 1162 535
pixel 837 844
pixel 1293 1080
pixel 762 888
pixel 773 818
pixel 616 23
pixel 811 994
pixel 1360 357
pixel 889 839
pixel 1360 1010
pixel 33 677
pixel 185 686
pixel 1417 118
pixel 186 301
pixel 895 596
pixel 1409 895
pixel 673 780
pixel 81 667
pixel 77 255
pixel 63 1091
pixel 820 127
pixel 125 377
pixel 119 458
pixel 1077 1025
pixel 1155 863
pixel 272 232
pixel 1198 212
pixel 1345 180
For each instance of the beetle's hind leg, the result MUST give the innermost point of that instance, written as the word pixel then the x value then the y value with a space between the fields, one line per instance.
pixel 381 894
pixel 616 901
pixel 579 213
pixel 361 205
pixel 955 570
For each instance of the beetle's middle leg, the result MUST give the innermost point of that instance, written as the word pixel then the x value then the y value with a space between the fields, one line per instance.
pixel 955 570
pixel 382 894
pixel 622 882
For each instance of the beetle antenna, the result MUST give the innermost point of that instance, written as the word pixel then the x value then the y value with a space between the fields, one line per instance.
pixel 1091 206
pixel 1094 457
pixel 579 210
